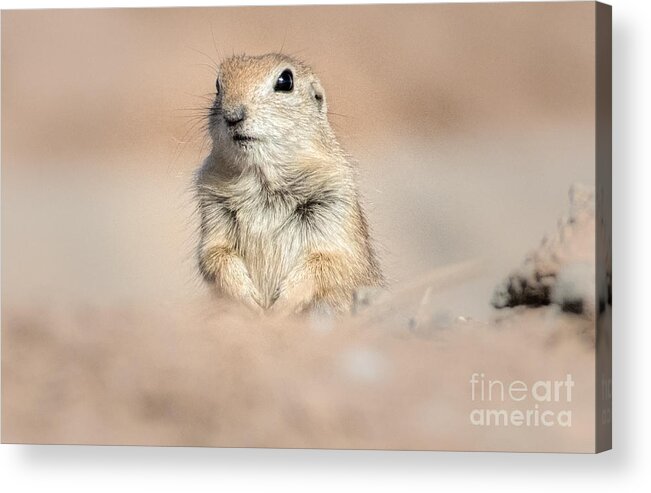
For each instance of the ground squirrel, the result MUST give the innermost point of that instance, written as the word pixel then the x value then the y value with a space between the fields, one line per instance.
pixel 281 224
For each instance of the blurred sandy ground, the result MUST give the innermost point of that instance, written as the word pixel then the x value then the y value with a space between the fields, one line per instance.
pixel 469 123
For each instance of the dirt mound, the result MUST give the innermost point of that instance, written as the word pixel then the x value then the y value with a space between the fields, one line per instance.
pixel 562 269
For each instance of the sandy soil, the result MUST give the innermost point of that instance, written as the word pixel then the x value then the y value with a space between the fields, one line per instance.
pixel 218 378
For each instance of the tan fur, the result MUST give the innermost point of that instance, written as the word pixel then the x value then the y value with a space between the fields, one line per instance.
pixel 281 224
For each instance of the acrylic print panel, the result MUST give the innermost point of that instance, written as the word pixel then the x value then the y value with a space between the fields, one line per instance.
pixel 322 226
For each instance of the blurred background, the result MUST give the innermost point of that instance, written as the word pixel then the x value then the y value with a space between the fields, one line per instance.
pixel 469 123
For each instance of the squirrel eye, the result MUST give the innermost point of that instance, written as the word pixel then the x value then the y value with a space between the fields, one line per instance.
pixel 218 86
pixel 285 82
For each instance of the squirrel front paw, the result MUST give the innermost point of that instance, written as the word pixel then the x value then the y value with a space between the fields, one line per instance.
pixel 294 296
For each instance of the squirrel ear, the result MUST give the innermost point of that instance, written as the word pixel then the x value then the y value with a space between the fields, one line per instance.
pixel 318 95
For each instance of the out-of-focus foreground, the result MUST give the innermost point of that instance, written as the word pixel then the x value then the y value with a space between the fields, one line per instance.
pixel 216 378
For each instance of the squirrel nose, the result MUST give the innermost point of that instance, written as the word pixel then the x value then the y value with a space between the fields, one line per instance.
pixel 234 116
